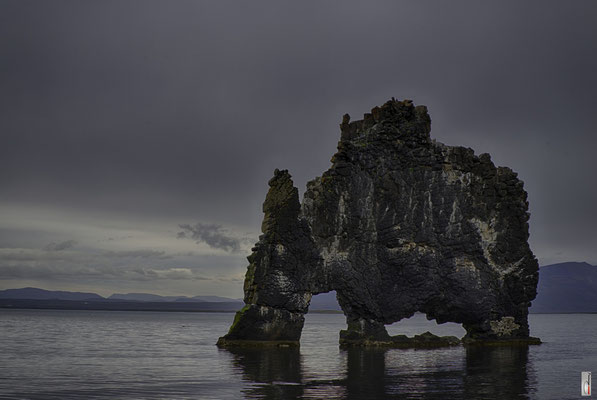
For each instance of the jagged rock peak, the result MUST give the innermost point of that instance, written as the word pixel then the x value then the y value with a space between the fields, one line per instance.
pixel 281 204
pixel 396 118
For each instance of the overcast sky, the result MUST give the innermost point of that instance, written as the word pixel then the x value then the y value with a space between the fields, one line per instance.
pixel 137 137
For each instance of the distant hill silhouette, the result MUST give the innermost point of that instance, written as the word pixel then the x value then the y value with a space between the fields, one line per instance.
pixel 563 288
pixel 566 288
pixel 325 301
pixel 41 294
pixel 155 297
pixel 121 305
pixel 211 299
pixel 140 297
pixel 30 293
pixel 47 299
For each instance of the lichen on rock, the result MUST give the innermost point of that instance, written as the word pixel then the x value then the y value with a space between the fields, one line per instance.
pixel 504 327
pixel 400 223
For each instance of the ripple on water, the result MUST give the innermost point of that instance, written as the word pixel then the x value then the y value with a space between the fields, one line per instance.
pixel 79 354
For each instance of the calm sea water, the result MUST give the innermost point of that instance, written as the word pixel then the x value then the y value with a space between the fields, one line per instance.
pixel 52 354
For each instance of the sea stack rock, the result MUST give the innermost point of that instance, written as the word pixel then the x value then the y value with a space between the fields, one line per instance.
pixel 400 223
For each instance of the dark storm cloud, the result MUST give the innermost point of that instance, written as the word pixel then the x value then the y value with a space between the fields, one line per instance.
pixel 211 234
pixel 67 244
pixel 180 111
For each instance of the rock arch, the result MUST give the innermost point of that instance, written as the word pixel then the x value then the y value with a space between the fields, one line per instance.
pixel 400 223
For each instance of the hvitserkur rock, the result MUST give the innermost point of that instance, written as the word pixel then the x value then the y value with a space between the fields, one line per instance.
pixel 400 223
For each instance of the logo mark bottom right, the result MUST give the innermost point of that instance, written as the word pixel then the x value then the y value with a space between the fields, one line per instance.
pixel 585 383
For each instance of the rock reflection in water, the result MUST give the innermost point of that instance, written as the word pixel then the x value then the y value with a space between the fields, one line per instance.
pixel 498 373
pixel 275 373
pixel 365 375
pixel 457 373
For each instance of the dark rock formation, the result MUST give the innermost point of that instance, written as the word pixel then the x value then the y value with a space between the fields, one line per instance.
pixel 352 338
pixel 399 223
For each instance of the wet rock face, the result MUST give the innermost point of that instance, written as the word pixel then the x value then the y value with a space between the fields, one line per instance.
pixel 398 224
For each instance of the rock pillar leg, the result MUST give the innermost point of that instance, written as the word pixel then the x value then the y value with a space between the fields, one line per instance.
pixel 279 277
pixel 500 330
pixel 363 332
pixel 263 325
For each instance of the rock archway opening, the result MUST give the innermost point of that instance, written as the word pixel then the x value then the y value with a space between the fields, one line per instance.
pixel 326 303
pixel 323 320
pixel 419 324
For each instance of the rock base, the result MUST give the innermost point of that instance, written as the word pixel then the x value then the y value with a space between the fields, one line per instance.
pixel 428 340
pixel 425 340
pixel 227 343
pixel 522 341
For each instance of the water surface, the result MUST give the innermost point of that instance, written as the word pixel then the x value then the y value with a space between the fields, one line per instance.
pixel 58 354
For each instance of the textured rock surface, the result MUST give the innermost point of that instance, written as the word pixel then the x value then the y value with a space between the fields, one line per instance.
pixel 399 223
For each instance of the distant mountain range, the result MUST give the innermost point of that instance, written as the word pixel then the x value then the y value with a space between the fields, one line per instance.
pixel 41 294
pixel 155 297
pixel 325 301
pixel 563 288
pixel 50 299
pixel 30 293
pixel 566 288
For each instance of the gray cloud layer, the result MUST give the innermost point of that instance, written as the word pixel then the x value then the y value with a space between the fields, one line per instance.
pixel 67 244
pixel 214 235
pixel 180 111
pixel 138 265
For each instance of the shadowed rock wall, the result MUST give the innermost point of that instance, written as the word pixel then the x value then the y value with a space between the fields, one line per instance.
pixel 399 223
